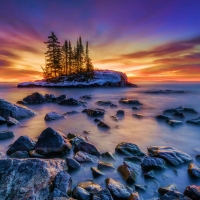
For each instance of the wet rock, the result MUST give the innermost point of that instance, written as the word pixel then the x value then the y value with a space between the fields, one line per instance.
pixel 20 154
pixel 81 193
pixel 194 121
pixel 133 159
pixel 135 108
pixel 72 164
pixel 88 148
pixel 164 190
pixel 138 115
pixel 179 114
pixel 95 112
pixel 181 109
pixel 8 109
pixel 194 170
pixel 28 178
pixel 51 141
pixel 102 195
pixel 129 171
pixel 77 139
pixel 82 156
pixel 53 116
pixel 72 112
pixel 103 103
pixel 11 121
pixel 86 97
pixel 60 98
pixel 105 166
pixel 153 163
pixel 21 102
pixel 2 120
pixel 35 154
pixel 193 192
pixel 108 156
pixel 112 105
pixel 173 122
pixel 134 196
pixel 23 143
pixel 141 187
pixel 118 190
pixel 103 125
pixel 71 102
pixel 49 97
pixel 128 149
pixel 97 120
pixel 129 101
pixel 172 155
pixel 35 98
pixel 120 112
pixel 150 174
pixel 174 195
pixel 96 172
pixel 6 134
pixel 71 136
pixel 162 117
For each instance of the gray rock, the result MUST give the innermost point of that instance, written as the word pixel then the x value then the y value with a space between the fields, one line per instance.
pixel 72 164
pixel 53 116
pixel 153 163
pixel 23 143
pixel 88 148
pixel 174 195
pixel 82 156
pixel 9 109
pixel 128 149
pixel 194 170
pixel 134 196
pixel 2 120
pixel 11 121
pixel 6 134
pixel 20 154
pixel 193 192
pixel 129 101
pixel 105 166
pixel 96 172
pixel 51 141
pixel 102 195
pixel 35 98
pixel 28 178
pixel 118 190
pixel 194 121
pixel 170 154
pixel 94 112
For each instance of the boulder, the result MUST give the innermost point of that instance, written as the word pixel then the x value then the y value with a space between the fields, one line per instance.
pixel 95 112
pixel 82 156
pixel 53 116
pixel 20 154
pixel 193 192
pixel 72 164
pixel 194 121
pixel 103 125
pixel 96 172
pixel 120 112
pixel 194 170
pixel 51 141
pixel 164 190
pixel 6 134
pixel 162 117
pixel 108 156
pixel 153 163
pixel 129 149
pixel 137 115
pixel 49 97
pixel 86 97
pixel 23 143
pixel 129 101
pixel 88 148
pixel 29 178
pixel 12 121
pixel 2 120
pixel 35 98
pixel 118 190
pixel 71 102
pixel 103 195
pixel 8 109
pixel 181 109
pixel 170 154
pixel 105 166
pixel 173 122
pixel 134 196
pixel 35 154
pixel 104 103
pixel 174 195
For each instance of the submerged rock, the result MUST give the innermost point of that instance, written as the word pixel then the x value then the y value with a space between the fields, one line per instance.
pixel 134 196
pixel 153 163
pixel 164 190
pixel 193 192
pixel 194 121
pixel 94 111
pixel 20 154
pixel 174 195
pixel 8 109
pixel 103 125
pixel 29 178
pixel 71 102
pixel 194 170
pixel 129 101
pixel 11 121
pixel 173 122
pixel 82 156
pixel 180 109
pixel 102 195
pixel 6 134
pixel 53 116
pixel 129 149
pixel 2 120
pixel 162 117
pixel 104 103
pixel 118 190
pixel 172 155
pixel 72 164
pixel 51 141
pixel 35 98
pixel 120 112
pixel 105 166
pixel 96 172
pixel 23 143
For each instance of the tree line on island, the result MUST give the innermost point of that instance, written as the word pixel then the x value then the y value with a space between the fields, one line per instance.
pixel 65 60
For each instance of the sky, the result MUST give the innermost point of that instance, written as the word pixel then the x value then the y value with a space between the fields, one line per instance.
pixel 149 40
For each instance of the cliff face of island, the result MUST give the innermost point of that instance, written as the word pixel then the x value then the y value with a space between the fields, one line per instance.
pixel 101 78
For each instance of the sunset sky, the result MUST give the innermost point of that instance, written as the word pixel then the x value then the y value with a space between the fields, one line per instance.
pixel 149 40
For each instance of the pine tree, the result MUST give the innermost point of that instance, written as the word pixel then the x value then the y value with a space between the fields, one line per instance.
pixel 65 50
pixel 81 56
pixel 88 62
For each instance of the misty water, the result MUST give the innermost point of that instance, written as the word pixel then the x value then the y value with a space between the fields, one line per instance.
pixel 144 132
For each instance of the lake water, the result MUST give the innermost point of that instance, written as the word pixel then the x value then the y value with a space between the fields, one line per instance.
pixel 143 132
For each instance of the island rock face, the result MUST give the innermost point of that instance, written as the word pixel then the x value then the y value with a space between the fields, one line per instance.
pixel 32 178
pixel 101 78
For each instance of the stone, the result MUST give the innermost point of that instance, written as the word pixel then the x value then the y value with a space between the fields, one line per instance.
pixel 164 190
pixel 141 187
pixel 35 98
pixel 181 109
pixel 60 98
pixel 104 103
pixel 129 101
pixel 86 97
pixel 9 109
pixel 137 115
pixel 173 122
pixel 51 141
pixel 29 178
pixel 103 195
pixel 103 125
pixel 129 149
pixel 194 170
pixel 88 148
pixel 72 164
pixel 193 192
pixel 77 139
pixel 105 166
pixel 162 117
pixel 170 154
pixel 6 134
pixel 120 112
pixel 94 112
pixel 20 154
pixel 35 154
pixel 82 156
pixel 49 97
pixel 194 121
pixel 71 102
pixel 108 156
pixel 134 196
pixel 23 143
pixel 150 174
pixel 12 121
pixel 96 172
pixel 174 195
pixel 53 116
pixel 134 159
pixel 2 120
pixel 118 190
pixel 81 193
pixel 153 163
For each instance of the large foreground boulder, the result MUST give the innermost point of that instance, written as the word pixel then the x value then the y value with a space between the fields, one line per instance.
pixel 35 98
pixel 9 109
pixel 32 178
pixel 51 141
pixel 170 154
